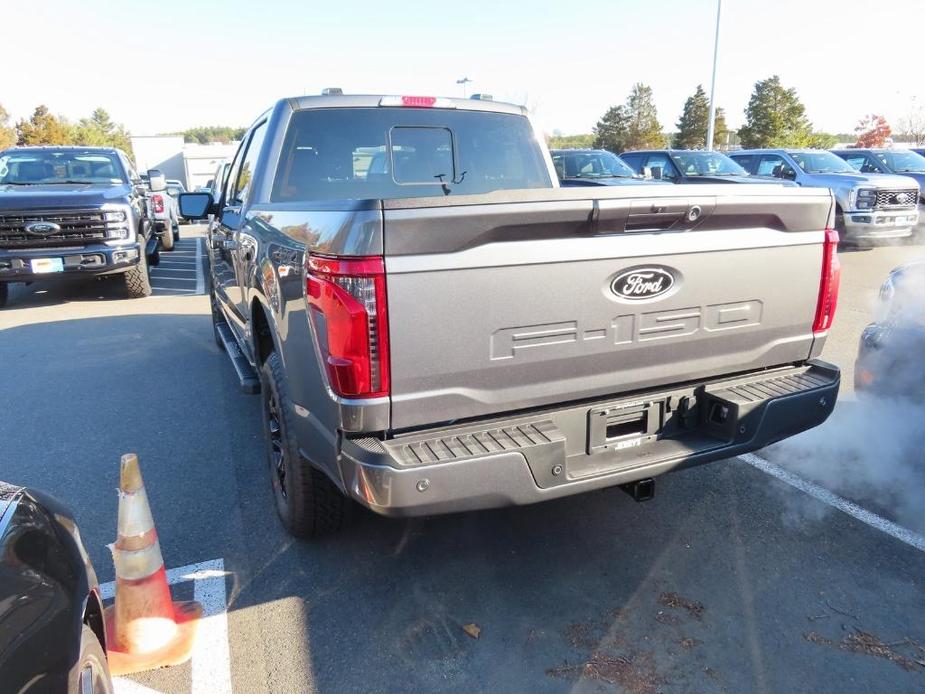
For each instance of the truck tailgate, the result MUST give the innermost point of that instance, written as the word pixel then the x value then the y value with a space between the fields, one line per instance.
pixel 511 301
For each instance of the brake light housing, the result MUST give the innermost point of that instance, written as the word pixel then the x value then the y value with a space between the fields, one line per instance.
pixel 828 284
pixel 158 202
pixel 348 306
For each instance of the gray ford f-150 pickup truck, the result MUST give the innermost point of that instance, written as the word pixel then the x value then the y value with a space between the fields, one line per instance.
pixel 73 212
pixel 450 330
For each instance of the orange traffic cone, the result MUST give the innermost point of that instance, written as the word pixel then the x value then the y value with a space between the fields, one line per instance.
pixel 145 628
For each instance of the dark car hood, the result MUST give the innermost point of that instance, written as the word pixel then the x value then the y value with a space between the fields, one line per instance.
pixel 64 195
pixel 579 182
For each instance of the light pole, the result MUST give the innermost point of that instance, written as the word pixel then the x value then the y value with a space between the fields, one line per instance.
pixel 711 123
pixel 464 81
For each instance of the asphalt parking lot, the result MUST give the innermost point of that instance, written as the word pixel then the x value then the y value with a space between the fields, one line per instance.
pixel 730 580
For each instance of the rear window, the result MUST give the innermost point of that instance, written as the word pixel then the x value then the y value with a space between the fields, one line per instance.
pixel 369 153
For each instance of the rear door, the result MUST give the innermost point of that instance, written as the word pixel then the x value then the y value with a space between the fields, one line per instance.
pixel 535 298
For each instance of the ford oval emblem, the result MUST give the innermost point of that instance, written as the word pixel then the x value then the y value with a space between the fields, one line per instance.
pixel 42 228
pixel 646 282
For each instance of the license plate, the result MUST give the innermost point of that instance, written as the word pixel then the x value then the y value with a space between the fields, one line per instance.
pixel 41 265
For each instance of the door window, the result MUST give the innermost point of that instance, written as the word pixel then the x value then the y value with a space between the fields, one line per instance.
pixel 245 176
pixel 774 165
pixel 664 163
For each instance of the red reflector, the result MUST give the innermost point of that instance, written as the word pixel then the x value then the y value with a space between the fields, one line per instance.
pixel 349 295
pixel 828 284
pixel 158 202
pixel 419 101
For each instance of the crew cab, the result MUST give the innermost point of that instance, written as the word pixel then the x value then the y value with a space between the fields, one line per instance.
pixel 73 212
pixel 869 208
pixel 687 166
pixel 453 331
pixel 591 167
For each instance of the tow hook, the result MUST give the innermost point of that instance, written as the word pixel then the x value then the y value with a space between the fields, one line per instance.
pixel 640 490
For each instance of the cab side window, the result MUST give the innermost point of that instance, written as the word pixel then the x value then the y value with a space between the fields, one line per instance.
pixel 774 165
pixel 743 160
pixel 245 175
pixel 664 163
pixel 232 178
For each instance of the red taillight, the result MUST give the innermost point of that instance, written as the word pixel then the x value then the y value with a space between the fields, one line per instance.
pixel 349 294
pixel 158 202
pixel 419 101
pixel 828 285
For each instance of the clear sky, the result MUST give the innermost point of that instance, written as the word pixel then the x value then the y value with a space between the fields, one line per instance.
pixel 171 64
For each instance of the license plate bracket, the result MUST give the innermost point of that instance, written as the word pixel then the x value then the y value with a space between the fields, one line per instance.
pixel 627 425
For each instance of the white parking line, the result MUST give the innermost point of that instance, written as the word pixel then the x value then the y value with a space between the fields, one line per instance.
pixel 825 496
pixel 211 663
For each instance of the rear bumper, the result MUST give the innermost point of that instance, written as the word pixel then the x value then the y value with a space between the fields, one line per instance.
pixel 83 261
pixel 557 453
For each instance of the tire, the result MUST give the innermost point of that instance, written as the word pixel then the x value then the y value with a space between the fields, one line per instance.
pixel 91 675
pixel 167 238
pixel 4 294
pixel 309 504
pixel 216 318
pixel 176 232
pixel 137 280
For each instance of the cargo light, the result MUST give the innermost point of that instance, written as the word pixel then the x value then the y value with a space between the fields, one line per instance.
pixel 158 202
pixel 349 295
pixel 828 284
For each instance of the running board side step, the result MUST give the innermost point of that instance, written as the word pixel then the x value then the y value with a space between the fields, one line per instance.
pixel 247 377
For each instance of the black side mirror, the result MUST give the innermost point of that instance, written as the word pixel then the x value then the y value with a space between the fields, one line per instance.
pixel 657 173
pixel 788 173
pixel 196 205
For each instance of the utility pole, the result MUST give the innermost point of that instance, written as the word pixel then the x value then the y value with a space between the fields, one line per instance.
pixel 712 121
pixel 464 81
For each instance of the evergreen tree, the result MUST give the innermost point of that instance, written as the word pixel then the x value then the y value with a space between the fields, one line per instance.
pixel 43 128
pixel 643 129
pixel 692 127
pixel 775 117
pixel 611 130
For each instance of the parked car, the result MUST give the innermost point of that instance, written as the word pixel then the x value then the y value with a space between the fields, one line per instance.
pixel 890 352
pixel 164 209
pixel 73 212
pixel 687 166
pixel 458 333
pixel 870 208
pixel 52 634
pixel 591 167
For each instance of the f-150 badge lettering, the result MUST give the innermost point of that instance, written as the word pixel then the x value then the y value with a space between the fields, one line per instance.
pixel 642 283
pixel 569 338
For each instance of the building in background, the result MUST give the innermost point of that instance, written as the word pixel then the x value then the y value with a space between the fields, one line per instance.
pixel 191 163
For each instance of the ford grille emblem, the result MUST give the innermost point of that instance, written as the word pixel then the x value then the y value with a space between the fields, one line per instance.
pixel 42 228
pixel 642 283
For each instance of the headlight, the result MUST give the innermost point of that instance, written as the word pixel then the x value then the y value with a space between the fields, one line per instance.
pixel 867 199
pixel 884 310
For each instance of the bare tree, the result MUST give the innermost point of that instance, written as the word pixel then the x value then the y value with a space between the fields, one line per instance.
pixel 912 125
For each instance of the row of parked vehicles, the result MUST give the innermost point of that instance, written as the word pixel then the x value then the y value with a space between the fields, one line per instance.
pixel 878 192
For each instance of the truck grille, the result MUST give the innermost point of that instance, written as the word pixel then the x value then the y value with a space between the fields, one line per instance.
pixel 896 199
pixel 75 228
